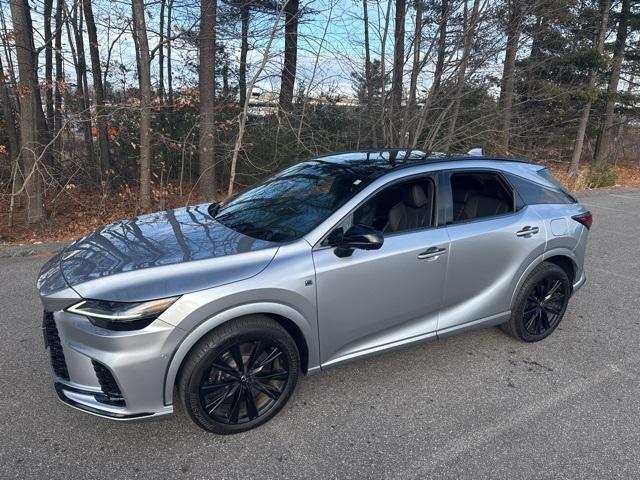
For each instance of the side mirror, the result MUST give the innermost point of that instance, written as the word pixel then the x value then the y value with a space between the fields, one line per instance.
pixel 361 237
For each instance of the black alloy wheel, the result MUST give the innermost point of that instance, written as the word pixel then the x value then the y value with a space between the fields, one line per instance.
pixel 244 382
pixel 239 375
pixel 540 303
pixel 544 305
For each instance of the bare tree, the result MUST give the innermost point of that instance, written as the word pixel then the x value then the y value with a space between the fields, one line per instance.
pixel 288 77
pixel 48 60
pixel 8 116
pixel 515 15
pixel 59 84
pixel 245 108
pixel 415 70
pixel 438 72
pixel 161 92
pixel 28 93
pixel 383 61
pixel 601 156
pixel 169 64
pixel 397 73
pixel 370 126
pixel 206 71
pixel 98 88
pixel 80 67
pixel 244 48
pixel 144 80
pixel 470 23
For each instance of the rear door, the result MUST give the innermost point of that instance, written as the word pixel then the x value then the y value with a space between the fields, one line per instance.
pixel 493 239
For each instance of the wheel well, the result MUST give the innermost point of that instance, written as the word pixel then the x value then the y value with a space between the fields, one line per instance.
pixel 291 328
pixel 295 332
pixel 564 263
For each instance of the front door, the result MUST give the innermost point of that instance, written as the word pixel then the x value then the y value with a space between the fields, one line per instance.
pixel 378 299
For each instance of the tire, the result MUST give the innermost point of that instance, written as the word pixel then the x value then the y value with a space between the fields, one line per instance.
pixel 540 304
pixel 258 370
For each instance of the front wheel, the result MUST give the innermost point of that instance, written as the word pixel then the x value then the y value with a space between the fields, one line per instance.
pixel 540 304
pixel 240 375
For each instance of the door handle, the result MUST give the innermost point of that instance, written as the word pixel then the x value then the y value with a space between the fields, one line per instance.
pixel 527 231
pixel 432 252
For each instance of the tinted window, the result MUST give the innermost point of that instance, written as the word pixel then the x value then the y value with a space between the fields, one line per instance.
pixel 533 193
pixel 292 203
pixel 478 195
pixel 401 207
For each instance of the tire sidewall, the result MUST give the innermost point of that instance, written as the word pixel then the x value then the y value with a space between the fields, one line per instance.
pixel 212 346
pixel 543 271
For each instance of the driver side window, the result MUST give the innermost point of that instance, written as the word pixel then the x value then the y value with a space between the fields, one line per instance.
pixel 400 207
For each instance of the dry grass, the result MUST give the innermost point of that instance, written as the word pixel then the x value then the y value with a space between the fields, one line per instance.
pixel 77 212
pixel 626 176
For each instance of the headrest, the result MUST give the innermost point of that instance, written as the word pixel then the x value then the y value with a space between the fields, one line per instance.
pixel 414 197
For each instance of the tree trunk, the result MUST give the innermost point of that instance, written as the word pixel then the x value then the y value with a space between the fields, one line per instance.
pixel 98 88
pixel 601 156
pixel 514 29
pixel 80 65
pixel 370 121
pixel 605 5
pixel 8 115
pixel 28 92
pixel 397 73
pixel 48 61
pixel 438 72
pixel 245 108
pixel 225 80
pixel 288 77
pixel 383 62
pixel 144 80
pixel 244 48
pixel 169 65
pixel 161 54
pixel 469 28
pixel 7 53
pixel 207 81
pixel 59 85
pixel 367 52
pixel 442 46
pixel 409 118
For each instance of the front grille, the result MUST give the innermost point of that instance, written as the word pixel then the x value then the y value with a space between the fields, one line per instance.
pixel 112 393
pixel 52 340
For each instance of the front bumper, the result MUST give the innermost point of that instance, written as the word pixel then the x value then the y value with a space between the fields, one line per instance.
pixel 116 375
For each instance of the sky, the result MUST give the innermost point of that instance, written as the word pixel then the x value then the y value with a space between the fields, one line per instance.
pixel 330 46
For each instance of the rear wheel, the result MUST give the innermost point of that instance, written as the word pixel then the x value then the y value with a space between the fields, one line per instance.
pixel 540 304
pixel 240 375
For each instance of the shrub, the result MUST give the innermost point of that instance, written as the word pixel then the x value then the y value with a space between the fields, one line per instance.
pixel 601 176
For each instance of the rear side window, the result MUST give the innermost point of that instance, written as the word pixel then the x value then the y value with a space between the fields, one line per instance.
pixel 534 194
pixel 479 195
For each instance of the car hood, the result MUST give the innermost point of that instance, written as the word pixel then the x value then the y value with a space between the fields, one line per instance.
pixel 158 255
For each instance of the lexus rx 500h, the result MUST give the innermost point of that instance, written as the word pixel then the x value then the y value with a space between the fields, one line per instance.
pixel 223 306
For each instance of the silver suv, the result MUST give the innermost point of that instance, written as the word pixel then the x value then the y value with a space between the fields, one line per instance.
pixel 330 260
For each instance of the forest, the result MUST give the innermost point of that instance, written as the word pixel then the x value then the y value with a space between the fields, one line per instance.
pixel 112 108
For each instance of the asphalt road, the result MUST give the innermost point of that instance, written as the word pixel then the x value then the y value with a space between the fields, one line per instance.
pixel 479 405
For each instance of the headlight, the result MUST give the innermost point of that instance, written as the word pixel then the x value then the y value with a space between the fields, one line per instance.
pixel 121 315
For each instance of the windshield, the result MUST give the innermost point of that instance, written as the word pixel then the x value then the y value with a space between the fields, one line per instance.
pixel 293 202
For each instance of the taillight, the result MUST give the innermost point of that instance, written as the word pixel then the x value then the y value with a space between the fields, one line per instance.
pixel 585 219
